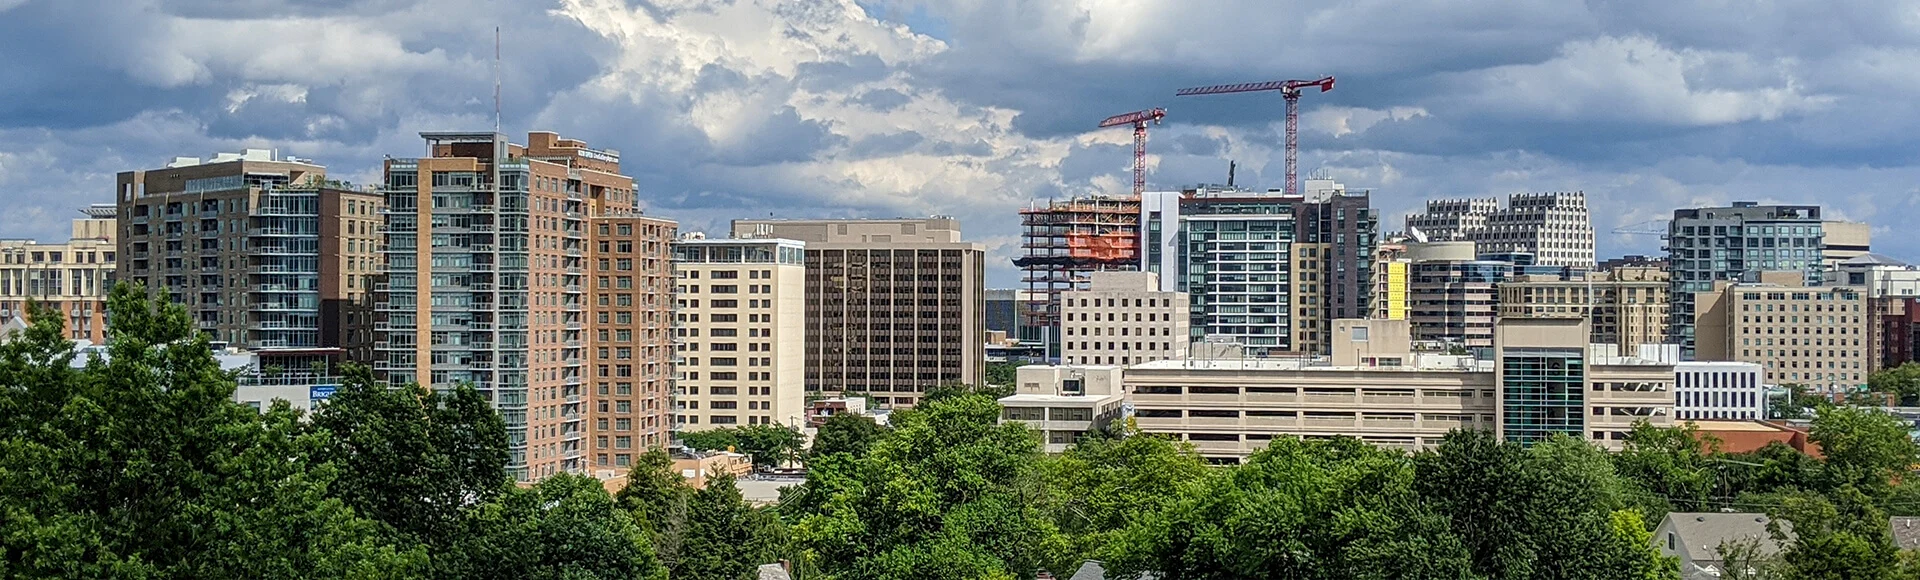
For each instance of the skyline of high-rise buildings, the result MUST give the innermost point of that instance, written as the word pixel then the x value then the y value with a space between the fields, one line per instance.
pixel 529 271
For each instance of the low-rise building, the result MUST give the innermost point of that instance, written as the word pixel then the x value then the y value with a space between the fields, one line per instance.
pixel 1719 390
pixel 1542 379
pixel 1123 318
pixel 1065 403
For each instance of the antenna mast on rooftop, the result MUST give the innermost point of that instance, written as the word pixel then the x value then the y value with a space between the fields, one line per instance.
pixel 496 79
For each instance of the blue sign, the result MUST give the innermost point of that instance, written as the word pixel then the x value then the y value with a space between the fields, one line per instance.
pixel 321 392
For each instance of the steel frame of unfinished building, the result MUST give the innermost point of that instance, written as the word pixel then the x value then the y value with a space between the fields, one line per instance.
pixel 1065 241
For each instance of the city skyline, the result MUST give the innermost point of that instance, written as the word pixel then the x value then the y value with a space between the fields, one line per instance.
pixel 974 109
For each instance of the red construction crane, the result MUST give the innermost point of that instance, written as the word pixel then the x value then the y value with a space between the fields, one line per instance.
pixel 1290 90
pixel 1139 120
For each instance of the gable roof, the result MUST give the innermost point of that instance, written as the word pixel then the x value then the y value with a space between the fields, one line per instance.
pixel 1705 531
pixel 1906 532
pixel 1094 570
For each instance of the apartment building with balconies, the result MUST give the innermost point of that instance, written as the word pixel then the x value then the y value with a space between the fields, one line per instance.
pixel 493 278
pixel 264 250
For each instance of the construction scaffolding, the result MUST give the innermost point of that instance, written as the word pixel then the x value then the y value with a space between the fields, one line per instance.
pixel 1065 241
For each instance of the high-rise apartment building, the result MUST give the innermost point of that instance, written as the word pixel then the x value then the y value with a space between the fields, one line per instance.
pixel 1267 270
pixel 1333 260
pixel 527 271
pixel 1819 336
pixel 1555 227
pixel 1625 307
pixel 894 306
pixel 72 278
pixel 1123 318
pixel 264 250
pixel 1734 244
pixel 632 289
pixel 740 324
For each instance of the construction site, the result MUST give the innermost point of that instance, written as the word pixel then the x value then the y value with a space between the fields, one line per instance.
pixel 1064 242
pixel 1067 240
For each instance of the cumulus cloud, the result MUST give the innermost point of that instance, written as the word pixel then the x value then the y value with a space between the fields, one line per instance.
pixel 974 108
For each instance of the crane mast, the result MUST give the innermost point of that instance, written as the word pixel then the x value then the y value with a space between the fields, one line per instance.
pixel 1139 120
pixel 1291 91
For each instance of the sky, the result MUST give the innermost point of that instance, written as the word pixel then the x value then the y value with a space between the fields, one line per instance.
pixel 728 109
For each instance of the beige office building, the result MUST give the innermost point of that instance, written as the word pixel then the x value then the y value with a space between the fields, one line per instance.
pixel 72 278
pixel 740 324
pixel 1379 391
pixel 264 250
pixel 894 306
pixel 1814 336
pixel 1123 318
pixel 1627 307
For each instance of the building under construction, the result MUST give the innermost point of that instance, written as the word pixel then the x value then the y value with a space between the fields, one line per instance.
pixel 1065 241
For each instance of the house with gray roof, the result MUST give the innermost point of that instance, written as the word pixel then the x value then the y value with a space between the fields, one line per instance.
pixel 1695 538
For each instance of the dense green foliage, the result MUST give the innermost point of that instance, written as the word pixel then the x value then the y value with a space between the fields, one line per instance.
pixel 141 466
pixel 768 445
pixel 845 433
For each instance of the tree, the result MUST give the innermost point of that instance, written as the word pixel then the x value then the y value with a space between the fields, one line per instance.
pixel 1545 511
pixel 1671 465
pixel 950 390
pixel 1794 404
pixel 141 465
pixel 657 496
pixel 1903 380
pixel 1102 485
pixel 845 433
pixel 948 493
pixel 1863 447
pixel 1002 374
pixel 726 539
pixel 1298 509
pixel 1835 536
pixel 770 445
pixel 411 458
pixel 718 439
pixel 565 527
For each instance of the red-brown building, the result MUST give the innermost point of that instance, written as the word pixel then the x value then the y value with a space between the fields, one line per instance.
pixel 1745 436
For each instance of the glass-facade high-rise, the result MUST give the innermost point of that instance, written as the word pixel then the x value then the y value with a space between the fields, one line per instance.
pixel 284 267
pixel 1542 392
pixel 1235 268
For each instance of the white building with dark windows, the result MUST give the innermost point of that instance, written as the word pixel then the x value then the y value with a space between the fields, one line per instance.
pixel 1719 390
